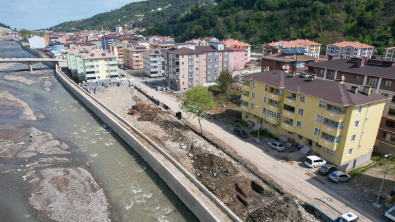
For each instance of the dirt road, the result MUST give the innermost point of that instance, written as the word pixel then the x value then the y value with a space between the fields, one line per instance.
pixel 294 178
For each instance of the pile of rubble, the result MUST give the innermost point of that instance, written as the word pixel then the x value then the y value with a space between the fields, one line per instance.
pixel 100 86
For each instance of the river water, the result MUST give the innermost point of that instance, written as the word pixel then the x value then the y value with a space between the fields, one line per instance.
pixel 135 192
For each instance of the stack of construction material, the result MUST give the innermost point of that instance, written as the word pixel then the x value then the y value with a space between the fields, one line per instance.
pixel 99 86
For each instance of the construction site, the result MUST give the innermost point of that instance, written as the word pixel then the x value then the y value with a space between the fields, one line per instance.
pixel 250 194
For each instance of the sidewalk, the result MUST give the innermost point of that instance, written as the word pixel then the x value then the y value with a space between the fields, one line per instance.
pixel 291 175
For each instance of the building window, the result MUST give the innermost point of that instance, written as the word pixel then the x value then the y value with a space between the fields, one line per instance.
pixel 96 60
pixel 182 63
pixel 197 69
pixel 190 56
pixel 97 71
pixel 197 62
pixel 277 64
pixel 252 105
pixel 357 78
pixel 254 84
pixel 273 114
pixel 182 56
pixel 252 95
pixel 329 150
pixel 353 137
pixel 197 56
pixel 265 99
pixel 266 88
pixel 197 81
pixel 349 152
pixel 209 60
pixel 190 82
pixel 317 131
pixel 290 133
pixel 321 104
pixel 356 124
pixel 387 83
pixel 274 125
pixel 300 111
pixel 300 136
pixel 319 118
pixel 359 109
pixel 317 145
pixel 321 71
pixel 298 124
pixel 196 75
pixel 302 98
pixel 264 110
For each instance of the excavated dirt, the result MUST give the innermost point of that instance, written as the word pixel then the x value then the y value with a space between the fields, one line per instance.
pixel 249 197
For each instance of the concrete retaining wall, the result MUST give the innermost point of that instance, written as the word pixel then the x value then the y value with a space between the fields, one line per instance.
pixel 205 205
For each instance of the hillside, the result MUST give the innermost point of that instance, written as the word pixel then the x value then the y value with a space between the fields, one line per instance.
pixel 129 14
pixel 260 21
pixel 4 25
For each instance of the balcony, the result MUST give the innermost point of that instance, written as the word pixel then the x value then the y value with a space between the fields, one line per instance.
pixel 246 83
pixel 89 63
pixel 113 61
pixel 91 75
pixel 287 125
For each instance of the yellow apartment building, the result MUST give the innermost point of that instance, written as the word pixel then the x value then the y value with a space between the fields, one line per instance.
pixel 133 56
pixel 339 124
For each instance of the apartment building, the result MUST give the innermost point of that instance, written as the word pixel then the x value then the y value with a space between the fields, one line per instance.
pixel 312 48
pixel 348 50
pixel 133 56
pixel 116 49
pixel 236 43
pixel 379 74
pixel 108 39
pixel 337 122
pixel 88 64
pixel 153 63
pixel 188 65
pixel 390 54
pixel 160 46
pixel 291 60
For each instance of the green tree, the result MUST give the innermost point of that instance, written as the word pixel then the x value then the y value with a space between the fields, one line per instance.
pixel 225 80
pixel 198 102
pixel 381 50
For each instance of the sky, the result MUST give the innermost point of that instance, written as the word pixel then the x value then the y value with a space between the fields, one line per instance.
pixel 38 14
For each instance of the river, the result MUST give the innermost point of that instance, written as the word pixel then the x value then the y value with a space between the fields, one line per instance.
pixel 135 192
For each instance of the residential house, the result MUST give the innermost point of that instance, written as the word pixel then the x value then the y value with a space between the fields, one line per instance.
pixel 330 119
pixel 378 74
pixel 312 48
pixel 237 43
pixel 390 54
pixel 153 63
pixel 55 46
pixel 90 63
pixel 291 60
pixel 108 39
pixel 349 49
pixel 133 56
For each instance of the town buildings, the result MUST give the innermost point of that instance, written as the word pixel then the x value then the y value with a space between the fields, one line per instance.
pixel 379 74
pixel 116 49
pixel 349 49
pixel 337 122
pixel 106 40
pixel 291 60
pixel 118 28
pixel 88 64
pixel 133 56
pixel 390 54
pixel 36 42
pixel 153 63
pixel 160 46
pixel 55 46
pixel 232 43
pixel 13 35
pixel 312 48
pixel 188 65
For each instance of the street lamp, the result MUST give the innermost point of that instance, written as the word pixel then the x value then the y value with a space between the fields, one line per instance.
pixel 377 202
pixel 259 129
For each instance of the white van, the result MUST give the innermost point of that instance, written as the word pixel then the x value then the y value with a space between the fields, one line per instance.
pixel 314 161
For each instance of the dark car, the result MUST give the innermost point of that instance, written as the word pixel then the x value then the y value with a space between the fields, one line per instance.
pixel 327 169
pixel 240 132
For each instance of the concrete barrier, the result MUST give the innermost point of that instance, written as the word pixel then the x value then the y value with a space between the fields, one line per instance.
pixel 205 205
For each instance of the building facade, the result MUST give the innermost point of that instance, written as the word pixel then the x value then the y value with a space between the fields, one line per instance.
pixel 153 62
pixel 133 56
pixel 334 121
pixel 116 49
pixel 291 62
pixel 312 48
pixel 232 43
pixel 88 64
pixel 349 49
pixel 188 65
pixel 37 42
pixel 379 74
pixel 106 40
pixel 390 54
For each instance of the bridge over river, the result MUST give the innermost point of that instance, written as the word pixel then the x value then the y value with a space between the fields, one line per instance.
pixel 31 61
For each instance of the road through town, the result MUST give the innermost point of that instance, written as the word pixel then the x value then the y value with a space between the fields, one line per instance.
pixel 293 177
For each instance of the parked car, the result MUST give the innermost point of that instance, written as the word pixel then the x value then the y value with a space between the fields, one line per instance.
pixel 276 145
pixel 327 169
pixel 339 176
pixel 240 132
pixel 314 161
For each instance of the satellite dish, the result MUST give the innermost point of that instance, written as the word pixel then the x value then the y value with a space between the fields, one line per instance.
pixel 343 78
pixel 283 67
pixel 287 67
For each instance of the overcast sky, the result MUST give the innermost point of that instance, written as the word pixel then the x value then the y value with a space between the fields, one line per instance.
pixel 37 14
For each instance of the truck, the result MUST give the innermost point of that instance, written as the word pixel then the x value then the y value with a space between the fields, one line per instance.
pixel 135 110
pixel 330 214
pixel 390 213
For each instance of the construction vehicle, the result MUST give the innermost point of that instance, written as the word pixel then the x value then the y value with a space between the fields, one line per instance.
pixel 135 110
pixel 330 214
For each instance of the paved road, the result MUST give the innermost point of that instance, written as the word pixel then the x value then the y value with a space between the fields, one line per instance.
pixel 294 178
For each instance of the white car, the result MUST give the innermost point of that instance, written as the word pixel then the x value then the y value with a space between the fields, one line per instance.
pixel 314 161
pixel 276 145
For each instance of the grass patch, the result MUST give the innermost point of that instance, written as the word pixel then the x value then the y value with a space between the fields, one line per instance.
pixel 263 133
pixel 174 140
pixel 355 172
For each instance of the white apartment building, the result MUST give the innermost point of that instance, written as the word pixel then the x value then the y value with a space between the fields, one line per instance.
pixel 153 63
pixel 348 50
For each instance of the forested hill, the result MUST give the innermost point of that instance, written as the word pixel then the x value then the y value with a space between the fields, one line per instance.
pixel 260 21
pixel 4 25
pixel 129 14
